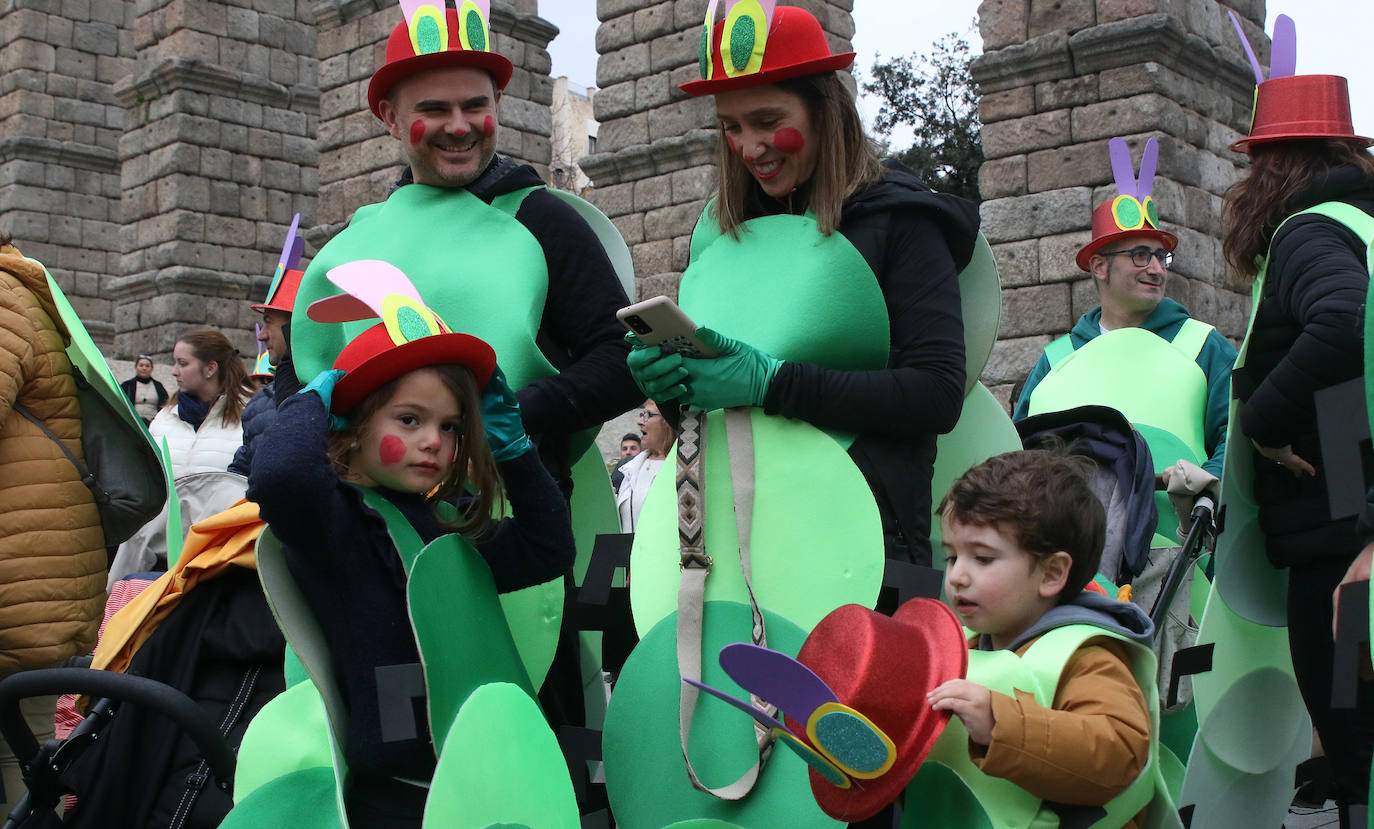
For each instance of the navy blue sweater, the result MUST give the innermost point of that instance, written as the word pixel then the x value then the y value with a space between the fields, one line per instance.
pixel 342 556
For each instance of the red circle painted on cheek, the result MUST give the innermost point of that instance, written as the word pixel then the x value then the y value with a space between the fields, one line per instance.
pixel 417 132
pixel 489 127
pixel 391 450
pixel 789 140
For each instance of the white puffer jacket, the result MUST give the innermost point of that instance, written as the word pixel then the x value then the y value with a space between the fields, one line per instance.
pixel 209 449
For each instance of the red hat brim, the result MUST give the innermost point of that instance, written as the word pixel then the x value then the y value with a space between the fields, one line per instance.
pixel 767 76
pixel 1085 254
pixel 883 667
pixel 371 360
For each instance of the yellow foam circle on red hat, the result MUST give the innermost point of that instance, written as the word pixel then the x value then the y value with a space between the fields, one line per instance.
pixel 473 31
pixel 822 745
pixel 1128 213
pixel 744 38
pixel 1151 212
pixel 428 30
pixel 407 320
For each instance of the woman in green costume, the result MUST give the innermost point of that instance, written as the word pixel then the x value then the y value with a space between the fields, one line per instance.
pixel 825 279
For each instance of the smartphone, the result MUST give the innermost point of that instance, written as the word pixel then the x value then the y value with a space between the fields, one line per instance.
pixel 658 321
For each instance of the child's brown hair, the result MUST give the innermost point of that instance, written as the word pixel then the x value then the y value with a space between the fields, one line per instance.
pixel 1042 499
pixel 474 468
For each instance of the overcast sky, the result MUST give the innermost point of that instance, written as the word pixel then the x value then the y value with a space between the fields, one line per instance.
pixel 1333 38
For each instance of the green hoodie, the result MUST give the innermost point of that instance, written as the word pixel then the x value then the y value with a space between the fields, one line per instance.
pixel 1216 359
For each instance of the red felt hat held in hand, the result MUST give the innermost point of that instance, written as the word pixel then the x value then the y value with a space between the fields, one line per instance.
pixel 760 43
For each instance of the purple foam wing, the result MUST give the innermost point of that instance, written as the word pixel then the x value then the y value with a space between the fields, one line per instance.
pixel 1149 161
pixel 777 678
pixel 1122 168
pixel 294 245
pixel 1249 52
pixel 1283 54
pixel 763 718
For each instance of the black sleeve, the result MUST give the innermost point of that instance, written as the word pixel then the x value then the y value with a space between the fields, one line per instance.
pixel 922 388
pixel 535 544
pixel 579 333
pixel 1320 284
pixel 128 387
pixel 295 487
pixel 161 394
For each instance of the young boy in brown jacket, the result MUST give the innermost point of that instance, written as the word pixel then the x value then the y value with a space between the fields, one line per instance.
pixel 1022 536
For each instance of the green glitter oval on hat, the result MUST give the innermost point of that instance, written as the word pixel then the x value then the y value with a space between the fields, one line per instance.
pixel 852 741
pixel 1151 212
pixel 1127 212
pixel 476 32
pixel 411 324
pixel 704 53
pixel 742 42
pixel 427 35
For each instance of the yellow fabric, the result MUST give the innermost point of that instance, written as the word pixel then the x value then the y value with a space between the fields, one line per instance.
pixel 226 539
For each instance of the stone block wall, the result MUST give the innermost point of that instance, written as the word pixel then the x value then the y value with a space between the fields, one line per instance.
pixel 217 154
pixel 1058 80
pixel 60 126
pixel 358 159
pixel 654 167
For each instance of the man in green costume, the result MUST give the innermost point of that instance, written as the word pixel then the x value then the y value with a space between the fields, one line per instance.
pixel 1174 387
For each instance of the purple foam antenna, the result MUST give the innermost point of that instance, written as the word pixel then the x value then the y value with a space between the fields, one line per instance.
pixel 1249 52
pixel 777 678
pixel 1149 161
pixel 1122 168
pixel 763 719
pixel 1283 54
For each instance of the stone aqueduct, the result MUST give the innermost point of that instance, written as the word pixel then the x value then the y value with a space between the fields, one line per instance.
pixel 153 151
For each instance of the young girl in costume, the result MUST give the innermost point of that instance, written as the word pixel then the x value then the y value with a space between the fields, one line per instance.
pixel 410 416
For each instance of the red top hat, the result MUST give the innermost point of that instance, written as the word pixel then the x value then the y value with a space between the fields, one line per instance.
pixel 373 358
pixel 1107 228
pixel 1133 211
pixel 882 667
pixel 1301 106
pixel 283 295
pixel 417 45
pixel 792 44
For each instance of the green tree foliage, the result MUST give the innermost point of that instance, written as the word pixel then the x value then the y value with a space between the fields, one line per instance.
pixel 935 95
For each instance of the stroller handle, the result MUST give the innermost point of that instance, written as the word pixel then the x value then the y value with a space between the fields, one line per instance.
pixel 180 708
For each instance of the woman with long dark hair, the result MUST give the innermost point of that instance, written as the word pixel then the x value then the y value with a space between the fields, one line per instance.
pixel 201 423
pixel 1286 229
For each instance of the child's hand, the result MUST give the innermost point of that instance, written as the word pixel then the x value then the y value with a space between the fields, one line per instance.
pixel 968 701
pixel 501 420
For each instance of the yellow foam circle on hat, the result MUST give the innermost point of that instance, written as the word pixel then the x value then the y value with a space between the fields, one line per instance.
pixel 1151 212
pixel 743 39
pixel 819 745
pixel 473 32
pixel 1128 213
pixel 428 30
pixel 407 320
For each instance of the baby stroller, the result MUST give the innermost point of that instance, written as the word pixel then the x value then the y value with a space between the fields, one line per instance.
pixel 157 746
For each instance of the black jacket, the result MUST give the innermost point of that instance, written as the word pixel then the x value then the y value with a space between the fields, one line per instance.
pixel 916 241
pixel 1308 335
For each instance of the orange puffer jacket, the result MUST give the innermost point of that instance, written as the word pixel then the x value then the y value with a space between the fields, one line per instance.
pixel 52 556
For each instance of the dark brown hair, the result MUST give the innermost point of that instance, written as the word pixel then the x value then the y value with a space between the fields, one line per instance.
pixel 846 159
pixel 1280 171
pixel 210 346
pixel 1042 499
pixel 488 496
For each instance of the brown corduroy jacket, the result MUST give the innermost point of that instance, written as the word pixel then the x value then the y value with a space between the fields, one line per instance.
pixel 52 556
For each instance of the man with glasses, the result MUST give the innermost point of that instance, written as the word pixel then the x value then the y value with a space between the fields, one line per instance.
pixel 1139 351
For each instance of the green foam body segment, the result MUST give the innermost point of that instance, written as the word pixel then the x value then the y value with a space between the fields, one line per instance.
pixel 289 734
pixel 646 778
pixel 501 765
pixel 801 569
pixel 983 430
pixel 302 800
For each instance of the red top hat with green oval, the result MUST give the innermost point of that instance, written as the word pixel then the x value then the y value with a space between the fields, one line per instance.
pixel 1133 211
pixel 434 36
pixel 281 293
pixel 410 335
pixel 1289 106
pixel 760 42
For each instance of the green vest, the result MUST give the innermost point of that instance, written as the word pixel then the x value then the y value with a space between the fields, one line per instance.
pixel 1156 384
pixel 949 790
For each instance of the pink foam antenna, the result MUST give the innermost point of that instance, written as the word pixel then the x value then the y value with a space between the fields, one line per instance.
pixel 409 7
pixel 1149 161
pixel 767 5
pixel 1249 52
pixel 1122 168
pixel 1283 53
pixel 365 282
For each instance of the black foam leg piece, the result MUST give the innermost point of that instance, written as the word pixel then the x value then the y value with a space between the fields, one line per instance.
pixel 597 820
pixel 904 581
pixel 610 552
pixel 581 747
pixel 1342 426
pixel 1188 661
pixel 398 686
pixel 1186 815
pixel 1352 644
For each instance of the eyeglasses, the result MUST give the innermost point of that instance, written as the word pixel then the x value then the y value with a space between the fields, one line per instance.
pixel 1140 257
pixel 645 414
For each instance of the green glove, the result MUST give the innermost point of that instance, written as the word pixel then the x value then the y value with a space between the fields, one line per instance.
pixel 660 376
pixel 501 420
pixel 323 386
pixel 738 376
